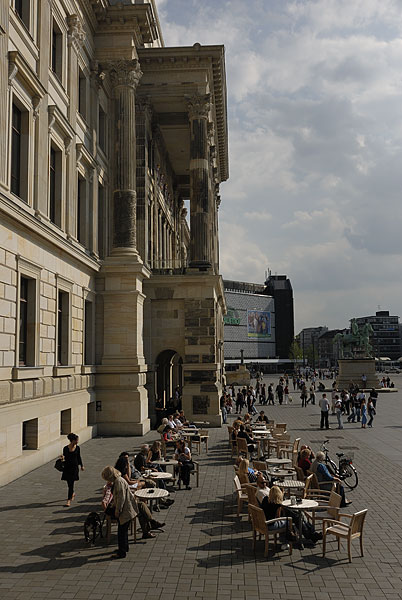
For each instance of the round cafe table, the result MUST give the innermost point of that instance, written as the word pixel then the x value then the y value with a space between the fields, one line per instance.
pixel 277 462
pixel 281 473
pixel 160 475
pixel 303 505
pixel 151 494
pixel 169 462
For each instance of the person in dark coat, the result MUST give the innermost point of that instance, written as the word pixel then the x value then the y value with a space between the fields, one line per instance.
pixel 72 460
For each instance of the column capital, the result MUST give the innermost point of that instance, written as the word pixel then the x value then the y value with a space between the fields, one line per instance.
pixel 198 106
pixel 122 72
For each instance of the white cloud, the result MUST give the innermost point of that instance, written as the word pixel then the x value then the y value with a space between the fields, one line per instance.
pixel 315 138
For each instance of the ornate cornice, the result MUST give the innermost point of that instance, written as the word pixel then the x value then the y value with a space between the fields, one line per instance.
pixel 125 73
pixel 198 106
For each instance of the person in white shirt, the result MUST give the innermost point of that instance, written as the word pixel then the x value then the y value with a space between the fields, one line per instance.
pixel 324 406
pixel 263 489
pixel 338 408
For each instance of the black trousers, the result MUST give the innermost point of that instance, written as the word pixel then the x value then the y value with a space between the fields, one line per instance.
pixel 70 485
pixel 122 537
pixel 324 419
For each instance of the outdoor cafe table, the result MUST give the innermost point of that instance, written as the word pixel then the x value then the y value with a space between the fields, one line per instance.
pixel 277 462
pixel 169 462
pixel 151 494
pixel 291 484
pixel 303 505
pixel 158 475
pixel 281 473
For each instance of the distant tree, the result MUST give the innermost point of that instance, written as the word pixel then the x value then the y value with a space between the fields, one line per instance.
pixel 295 352
pixel 311 354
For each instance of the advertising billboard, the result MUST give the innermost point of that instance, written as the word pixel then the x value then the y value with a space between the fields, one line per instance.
pixel 258 324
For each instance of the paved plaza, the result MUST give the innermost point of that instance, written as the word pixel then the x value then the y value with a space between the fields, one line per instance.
pixel 205 551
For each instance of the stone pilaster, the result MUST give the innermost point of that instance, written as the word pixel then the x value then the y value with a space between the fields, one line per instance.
pixel 124 77
pixel 200 247
pixel 4 10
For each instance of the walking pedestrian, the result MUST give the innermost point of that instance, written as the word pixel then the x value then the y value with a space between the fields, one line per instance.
pixel 338 409
pixel 371 412
pixel 363 410
pixel 303 396
pixel 324 406
pixel 72 460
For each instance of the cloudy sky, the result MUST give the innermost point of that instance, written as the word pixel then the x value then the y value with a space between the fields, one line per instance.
pixel 315 140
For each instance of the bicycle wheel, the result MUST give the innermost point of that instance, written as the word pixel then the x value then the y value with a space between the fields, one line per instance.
pixel 348 474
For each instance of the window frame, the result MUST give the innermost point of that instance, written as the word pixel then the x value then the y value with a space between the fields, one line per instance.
pixel 31 272
pixel 65 287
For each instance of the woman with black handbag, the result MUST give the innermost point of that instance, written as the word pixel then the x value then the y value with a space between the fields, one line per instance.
pixel 72 460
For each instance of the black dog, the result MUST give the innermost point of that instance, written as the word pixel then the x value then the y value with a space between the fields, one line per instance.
pixel 92 527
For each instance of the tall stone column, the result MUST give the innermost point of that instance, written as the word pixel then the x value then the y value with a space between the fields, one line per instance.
pixel 200 247
pixel 124 77
pixel 121 376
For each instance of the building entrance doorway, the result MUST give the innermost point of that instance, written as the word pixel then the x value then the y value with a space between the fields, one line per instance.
pixel 169 376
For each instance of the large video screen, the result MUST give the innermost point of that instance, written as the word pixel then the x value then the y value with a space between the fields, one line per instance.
pixel 258 324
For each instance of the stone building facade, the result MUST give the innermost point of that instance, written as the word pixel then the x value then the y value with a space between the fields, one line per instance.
pixel 110 293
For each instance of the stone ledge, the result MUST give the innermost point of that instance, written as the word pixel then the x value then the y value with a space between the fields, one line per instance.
pixel 19 373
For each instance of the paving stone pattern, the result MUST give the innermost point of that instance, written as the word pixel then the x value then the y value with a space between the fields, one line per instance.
pixel 205 551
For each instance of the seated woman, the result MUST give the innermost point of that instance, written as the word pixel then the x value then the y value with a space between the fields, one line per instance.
pixel 123 465
pixel 183 456
pixel 323 475
pixel 155 454
pixel 246 473
pixel 247 419
pixel 272 507
pixel 304 462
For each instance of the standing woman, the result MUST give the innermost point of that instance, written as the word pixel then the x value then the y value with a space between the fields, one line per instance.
pixel 72 460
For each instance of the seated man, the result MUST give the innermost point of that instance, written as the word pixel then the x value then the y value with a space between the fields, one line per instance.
pixel 263 489
pixel 262 418
pixel 250 442
pixel 183 418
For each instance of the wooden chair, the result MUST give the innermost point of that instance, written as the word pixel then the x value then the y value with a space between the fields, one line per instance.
pixel 307 485
pixel 260 525
pixel 320 484
pixel 282 426
pixel 347 531
pixel 204 436
pixel 326 509
pixel 242 447
pixel 230 431
pixel 241 494
pixel 260 465
pixel 195 471
pixel 110 521
pixel 251 491
pixel 300 473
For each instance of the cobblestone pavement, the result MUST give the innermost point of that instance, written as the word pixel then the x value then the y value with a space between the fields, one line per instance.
pixel 205 551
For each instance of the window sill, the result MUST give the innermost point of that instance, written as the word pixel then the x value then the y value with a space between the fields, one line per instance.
pixel 87 369
pixel 19 373
pixel 63 370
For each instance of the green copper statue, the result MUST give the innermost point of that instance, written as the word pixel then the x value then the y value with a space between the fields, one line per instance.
pixel 355 344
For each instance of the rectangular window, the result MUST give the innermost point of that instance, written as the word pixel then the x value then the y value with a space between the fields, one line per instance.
pixel 101 222
pixel 82 93
pixel 65 421
pixel 16 135
pixel 82 220
pixel 30 434
pixel 88 358
pixel 22 8
pixel 57 51
pixel 102 129
pixel 55 186
pixel 63 307
pixel 27 324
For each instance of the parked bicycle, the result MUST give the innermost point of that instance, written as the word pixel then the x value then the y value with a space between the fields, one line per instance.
pixel 344 470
